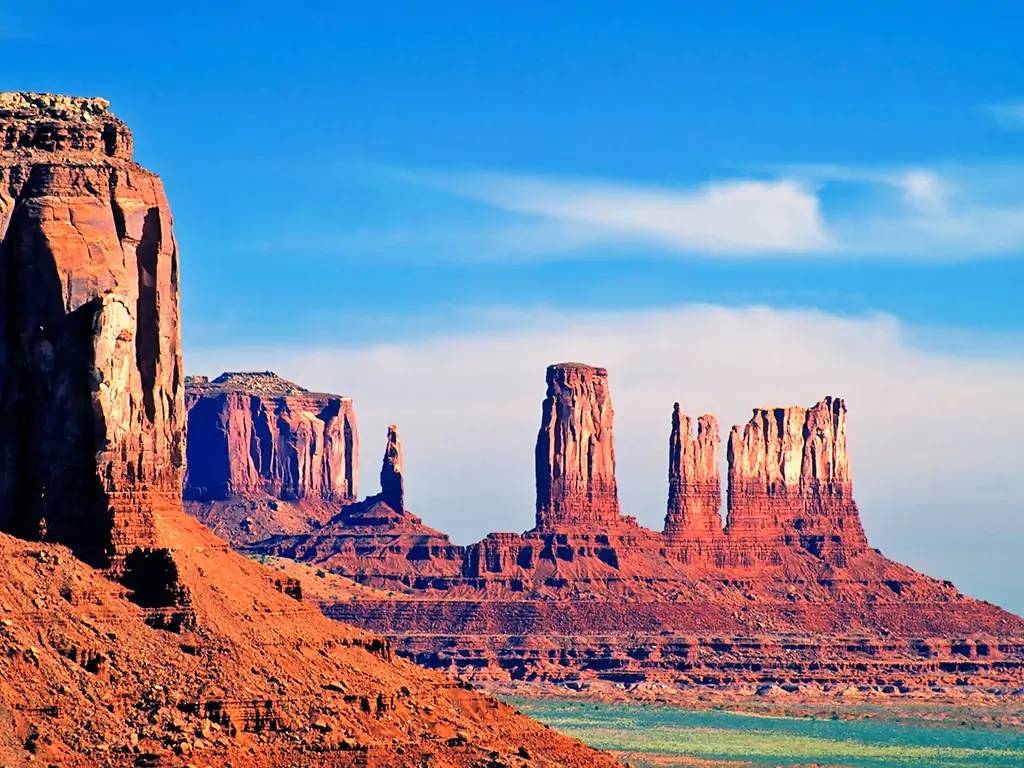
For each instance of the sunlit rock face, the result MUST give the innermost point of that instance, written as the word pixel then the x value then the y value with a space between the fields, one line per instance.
pixel 789 481
pixel 575 454
pixel 91 388
pixel 694 488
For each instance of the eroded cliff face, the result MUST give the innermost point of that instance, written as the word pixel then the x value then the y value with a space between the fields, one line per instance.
pixel 575 455
pixel 694 488
pixel 789 481
pixel 91 397
pixel 255 435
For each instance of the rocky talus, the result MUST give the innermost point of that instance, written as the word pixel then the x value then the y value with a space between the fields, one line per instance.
pixel 786 593
pixel 129 634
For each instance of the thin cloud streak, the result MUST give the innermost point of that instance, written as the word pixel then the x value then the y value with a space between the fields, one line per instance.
pixel 915 213
pixel 1008 114
pixel 731 217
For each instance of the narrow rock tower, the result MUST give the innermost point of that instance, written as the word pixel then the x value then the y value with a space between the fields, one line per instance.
pixel 694 489
pixel 392 484
pixel 575 456
pixel 91 386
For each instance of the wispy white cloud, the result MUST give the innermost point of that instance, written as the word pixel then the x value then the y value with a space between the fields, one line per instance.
pixel 934 431
pixel 806 211
pixel 740 216
pixel 1009 114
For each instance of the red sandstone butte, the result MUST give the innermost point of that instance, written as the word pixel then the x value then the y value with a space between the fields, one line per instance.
pixel 789 479
pixel 267 456
pixel 575 450
pixel 130 634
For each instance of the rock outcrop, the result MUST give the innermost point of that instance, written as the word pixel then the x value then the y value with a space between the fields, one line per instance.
pixel 91 400
pixel 575 454
pixel 789 481
pixel 694 488
pixel 256 434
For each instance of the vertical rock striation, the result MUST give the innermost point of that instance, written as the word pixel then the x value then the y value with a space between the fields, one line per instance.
pixel 575 455
pixel 789 479
pixel 91 398
pixel 254 435
pixel 694 487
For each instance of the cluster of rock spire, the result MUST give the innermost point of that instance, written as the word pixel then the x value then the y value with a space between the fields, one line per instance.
pixel 788 476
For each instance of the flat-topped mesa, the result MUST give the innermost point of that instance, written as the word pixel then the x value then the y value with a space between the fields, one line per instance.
pixel 40 124
pixel 257 435
pixel 91 395
pixel 694 487
pixel 789 479
pixel 575 456
pixel 392 484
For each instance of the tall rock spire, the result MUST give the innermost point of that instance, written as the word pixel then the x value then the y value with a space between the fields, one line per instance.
pixel 392 484
pixel 789 478
pixel 694 490
pixel 575 456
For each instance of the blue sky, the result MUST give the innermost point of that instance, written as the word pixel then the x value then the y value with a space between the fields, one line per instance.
pixel 359 183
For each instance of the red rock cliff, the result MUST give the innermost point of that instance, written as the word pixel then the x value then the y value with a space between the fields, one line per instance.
pixel 789 478
pixel 694 488
pixel 575 450
pixel 253 435
pixel 91 395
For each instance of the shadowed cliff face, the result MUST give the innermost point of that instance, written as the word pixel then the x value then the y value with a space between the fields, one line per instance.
pixel 254 435
pixel 91 400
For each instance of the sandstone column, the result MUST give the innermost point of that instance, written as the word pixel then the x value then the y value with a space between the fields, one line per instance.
pixel 575 456
pixel 694 488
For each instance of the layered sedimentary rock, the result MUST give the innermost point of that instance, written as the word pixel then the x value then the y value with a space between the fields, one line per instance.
pixel 266 456
pixel 255 434
pixel 575 454
pixel 91 398
pixel 789 481
pixel 377 535
pixel 694 488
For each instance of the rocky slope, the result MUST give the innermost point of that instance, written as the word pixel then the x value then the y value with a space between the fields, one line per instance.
pixel 129 634
pixel 786 592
